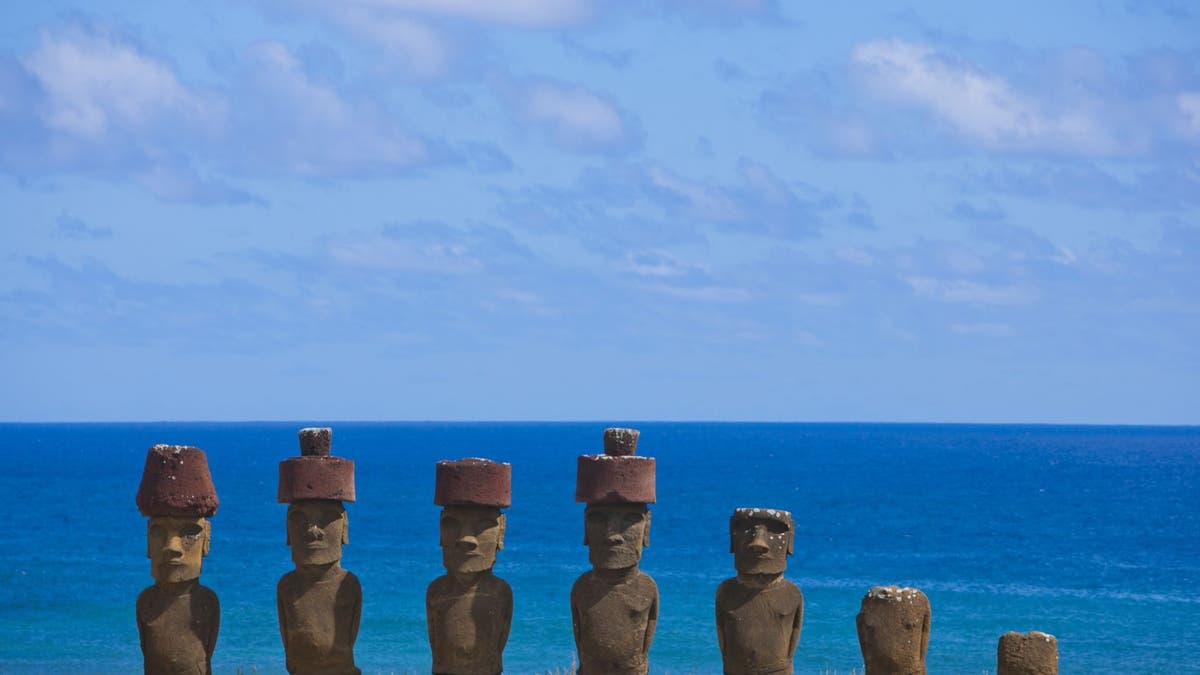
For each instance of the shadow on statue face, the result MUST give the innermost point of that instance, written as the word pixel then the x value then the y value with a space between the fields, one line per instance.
pixel 615 534
pixel 176 546
pixel 316 531
pixel 760 544
pixel 470 537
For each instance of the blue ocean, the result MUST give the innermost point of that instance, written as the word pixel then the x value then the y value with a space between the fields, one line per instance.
pixel 1089 533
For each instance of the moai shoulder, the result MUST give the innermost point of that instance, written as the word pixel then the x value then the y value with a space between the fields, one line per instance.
pixel 319 604
pixel 614 607
pixel 759 613
pixel 1032 653
pixel 177 618
pixel 468 611
pixel 893 630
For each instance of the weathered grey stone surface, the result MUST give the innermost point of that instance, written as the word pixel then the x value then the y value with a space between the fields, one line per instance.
pixel 893 630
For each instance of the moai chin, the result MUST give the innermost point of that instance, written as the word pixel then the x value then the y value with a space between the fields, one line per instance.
pixel 468 611
pixel 177 618
pixel 893 630
pixel 759 612
pixel 1031 653
pixel 319 603
pixel 614 607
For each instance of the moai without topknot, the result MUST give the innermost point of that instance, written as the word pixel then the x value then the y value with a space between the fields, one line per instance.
pixel 177 618
pixel 319 603
pixel 893 630
pixel 759 612
pixel 469 610
pixel 614 607
pixel 1031 653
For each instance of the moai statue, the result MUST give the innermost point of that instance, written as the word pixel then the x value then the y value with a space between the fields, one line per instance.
pixel 177 618
pixel 614 607
pixel 469 610
pixel 893 630
pixel 319 603
pixel 1031 653
pixel 759 613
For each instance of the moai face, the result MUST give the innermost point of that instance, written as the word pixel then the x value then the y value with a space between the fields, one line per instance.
pixel 316 531
pixel 615 534
pixel 893 630
pixel 760 540
pixel 176 546
pixel 470 537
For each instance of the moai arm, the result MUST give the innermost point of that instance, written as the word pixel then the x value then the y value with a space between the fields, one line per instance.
pixel 508 613
pixel 283 629
pixel 651 623
pixel 210 641
pixel 432 619
pixel 575 616
pixel 797 622
pixel 720 626
pixel 356 615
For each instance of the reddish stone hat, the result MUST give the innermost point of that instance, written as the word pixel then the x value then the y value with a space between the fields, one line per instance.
pixel 618 476
pixel 473 482
pixel 176 482
pixel 316 474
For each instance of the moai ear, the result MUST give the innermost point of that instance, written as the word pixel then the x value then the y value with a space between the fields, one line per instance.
pixel 149 550
pixel 207 538
pixel 646 532
pixel 791 540
pixel 585 537
pixel 500 537
pixel 345 528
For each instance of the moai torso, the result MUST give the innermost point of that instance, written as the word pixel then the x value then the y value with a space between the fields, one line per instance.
pixel 177 618
pixel 319 604
pixel 614 607
pixel 893 631
pixel 1032 653
pixel 759 612
pixel 468 611
pixel 178 629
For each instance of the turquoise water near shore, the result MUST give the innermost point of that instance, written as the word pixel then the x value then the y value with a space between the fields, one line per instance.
pixel 1089 533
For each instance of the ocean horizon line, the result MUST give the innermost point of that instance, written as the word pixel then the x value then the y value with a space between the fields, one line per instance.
pixel 617 422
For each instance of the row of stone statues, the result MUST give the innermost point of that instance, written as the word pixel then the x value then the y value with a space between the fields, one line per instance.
pixel 614 607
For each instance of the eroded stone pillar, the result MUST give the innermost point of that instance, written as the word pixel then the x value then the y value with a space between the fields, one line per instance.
pixel 468 611
pixel 614 607
pixel 893 630
pixel 177 618
pixel 759 612
pixel 1031 653
pixel 319 603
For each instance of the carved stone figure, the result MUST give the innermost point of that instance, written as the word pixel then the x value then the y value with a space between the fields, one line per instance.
pixel 893 630
pixel 177 618
pixel 1031 653
pixel 614 607
pixel 319 603
pixel 468 611
pixel 759 613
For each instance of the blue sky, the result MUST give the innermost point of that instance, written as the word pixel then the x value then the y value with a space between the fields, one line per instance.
pixel 716 209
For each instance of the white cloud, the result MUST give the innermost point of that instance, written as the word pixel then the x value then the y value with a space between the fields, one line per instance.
pixel 1189 108
pixel 984 329
pixel 523 13
pixel 969 292
pixel 574 116
pixel 423 50
pixel 96 84
pixel 980 106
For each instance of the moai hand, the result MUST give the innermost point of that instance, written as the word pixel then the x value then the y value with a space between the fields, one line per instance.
pixel 1031 653
pixel 468 611
pixel 177 618
pixel 893 630
pixel 759 613
pixel 614 608
pixel 319 603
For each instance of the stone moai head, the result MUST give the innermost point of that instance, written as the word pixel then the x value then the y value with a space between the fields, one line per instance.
pixel 1031 653
pixel 471 493
pixel 893 630
pixel 314 485
pixel 760 540
pixel 178 496
pixel 617 486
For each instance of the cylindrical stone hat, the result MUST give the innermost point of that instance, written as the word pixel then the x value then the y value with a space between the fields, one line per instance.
pixel 473 482
pixel 316 474
pixel 618 476
pixel 176 482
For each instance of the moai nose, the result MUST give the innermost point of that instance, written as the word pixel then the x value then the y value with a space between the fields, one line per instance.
pixel 174 546
pixel 467 543
pixel 758 543
pixel 315 533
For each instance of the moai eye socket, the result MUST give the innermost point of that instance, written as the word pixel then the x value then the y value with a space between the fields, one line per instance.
pixel 776 527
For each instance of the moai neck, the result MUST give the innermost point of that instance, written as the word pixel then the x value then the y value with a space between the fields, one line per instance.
pixel 176 588
pixel 758 580
pixel 614 577
pixel 316 573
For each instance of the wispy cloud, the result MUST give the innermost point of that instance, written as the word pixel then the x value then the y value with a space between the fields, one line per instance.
pixel 572 116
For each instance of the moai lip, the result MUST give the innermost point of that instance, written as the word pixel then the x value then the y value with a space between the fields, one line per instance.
pixel 1032 653
pixel 614 607
pixel 468 611
pixel 759 612
pixel 178 619
pixel 319 604
pixel 893 630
